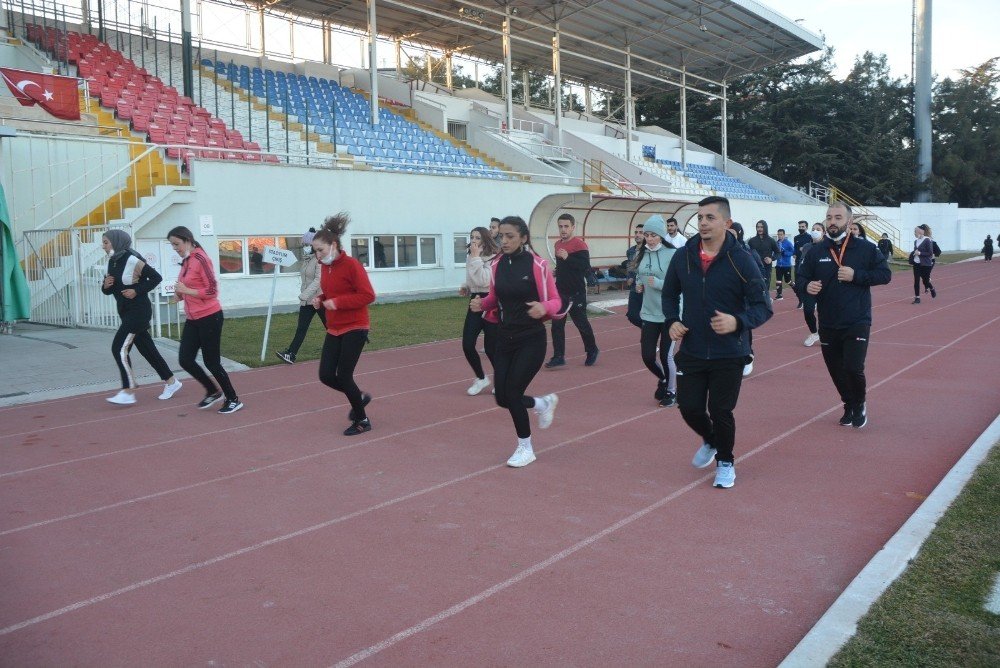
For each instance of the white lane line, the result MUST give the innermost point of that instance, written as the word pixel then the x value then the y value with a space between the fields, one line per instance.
pixel 372 650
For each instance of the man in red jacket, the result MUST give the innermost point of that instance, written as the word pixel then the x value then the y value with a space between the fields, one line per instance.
pixel 572 265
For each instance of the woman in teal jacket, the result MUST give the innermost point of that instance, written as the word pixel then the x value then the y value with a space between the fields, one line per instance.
pixel 650 266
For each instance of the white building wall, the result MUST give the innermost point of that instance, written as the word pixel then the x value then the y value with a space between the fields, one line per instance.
pixel 953 228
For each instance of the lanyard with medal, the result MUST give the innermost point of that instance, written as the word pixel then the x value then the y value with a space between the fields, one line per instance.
pixel 839 258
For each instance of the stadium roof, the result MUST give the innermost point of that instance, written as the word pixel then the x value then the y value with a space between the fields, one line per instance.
pixel 715 40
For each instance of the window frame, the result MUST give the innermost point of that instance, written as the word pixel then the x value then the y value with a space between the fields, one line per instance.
pixel 422 263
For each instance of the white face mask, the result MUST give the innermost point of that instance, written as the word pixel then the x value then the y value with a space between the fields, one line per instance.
pixel 307 250
pixel 651 247
pixel 816 235
pixel 329 257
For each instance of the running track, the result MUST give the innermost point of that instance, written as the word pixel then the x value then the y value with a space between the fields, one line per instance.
pixel 161 535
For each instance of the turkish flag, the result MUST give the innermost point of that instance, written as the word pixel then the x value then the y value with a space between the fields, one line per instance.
pixel 56 95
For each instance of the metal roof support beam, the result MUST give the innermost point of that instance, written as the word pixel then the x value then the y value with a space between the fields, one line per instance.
pixel 398 48
pixel 327 43
pixel 684 120
pixel 186 49
pixel 508 84
pixel 373 58
pixel 629 108
pixel 588 105
pixel 447 69
pixel 725 127
pixel 557 73
pixel 526 87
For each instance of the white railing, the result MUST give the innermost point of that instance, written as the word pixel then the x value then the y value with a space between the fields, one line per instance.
pixel 520 125
pixel 819 191
pixel 529 144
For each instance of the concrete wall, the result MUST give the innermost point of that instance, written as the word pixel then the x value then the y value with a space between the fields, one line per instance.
pixel 282 200
pixel 953 228
pixel 23 58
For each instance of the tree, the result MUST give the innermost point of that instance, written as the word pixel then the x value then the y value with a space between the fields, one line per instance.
pixel 416 68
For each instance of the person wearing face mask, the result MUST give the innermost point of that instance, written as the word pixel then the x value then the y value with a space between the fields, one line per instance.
pixel 309 279
pixel 478 273
pixel 650 266
pixel 130 279
pixel 808 300
pixel 198 288
pixel 635 299
pixel 839 271
pixel 345 293
pixel 800 240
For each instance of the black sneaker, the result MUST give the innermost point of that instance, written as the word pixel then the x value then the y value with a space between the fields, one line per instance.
pixel 556 361
pixel 209 400
pixel 933 293
pixel 358 427
pixel 661 389
pixel 231 407
pixel 286 357
pixel 799 307
pixel 860 417
pixel 669 399
pixel 592 358
pixel 848 418
pixel 778 298
pixel 916 300
pixel 365 400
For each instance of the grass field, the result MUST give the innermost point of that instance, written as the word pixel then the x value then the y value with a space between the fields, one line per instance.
pixel 933 614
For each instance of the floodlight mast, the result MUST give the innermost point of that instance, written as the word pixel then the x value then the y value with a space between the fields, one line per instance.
pixel 922 95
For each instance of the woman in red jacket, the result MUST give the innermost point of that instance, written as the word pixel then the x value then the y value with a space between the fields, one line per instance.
pixel 197 287
pixel 345 292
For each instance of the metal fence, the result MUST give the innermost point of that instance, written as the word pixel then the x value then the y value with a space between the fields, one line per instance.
pixel 64 269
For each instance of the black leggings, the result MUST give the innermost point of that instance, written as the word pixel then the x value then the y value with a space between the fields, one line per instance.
pixel 336 365
pixel 844 351
pixel 515 364
pixel 782 275
pixel 809 310
pixel 653 334
pixel 205 334
pixel 475 323
pixel 306 314
pixel 121 346
pixel 922 272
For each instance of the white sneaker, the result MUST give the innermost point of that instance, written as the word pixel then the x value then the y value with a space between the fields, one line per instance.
pixel 725 475
pixel 478 386
pixel 521 457
pixel 747 369
pixel 123 398
pixel 703 457
pixel 811 340
pixel 170 389
pixel 545 415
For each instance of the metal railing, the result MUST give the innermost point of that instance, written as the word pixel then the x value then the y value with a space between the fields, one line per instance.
pixel 599 173
pixel 874 224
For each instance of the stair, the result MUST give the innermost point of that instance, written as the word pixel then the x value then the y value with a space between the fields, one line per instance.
pixel 875 226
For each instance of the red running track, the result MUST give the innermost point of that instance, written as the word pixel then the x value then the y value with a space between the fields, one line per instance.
pixel 161 535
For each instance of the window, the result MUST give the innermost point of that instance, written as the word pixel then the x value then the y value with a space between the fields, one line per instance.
pixel 245 256
pixel 461 248
pixel 388 251
pixel 458 130
pixel 230 256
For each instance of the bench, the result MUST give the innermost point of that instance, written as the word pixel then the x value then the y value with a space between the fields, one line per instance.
pixel 607 281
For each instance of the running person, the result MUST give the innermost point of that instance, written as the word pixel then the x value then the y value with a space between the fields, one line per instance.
pixel 839 272
pixel 198 288
pixel 309 288
pixel 736 229
pixel 766 248
pixel 650 266
pixel 478 272
pixel 923 261
pixel 525 295
pixel 988 249
pixel 634 297
pixel 495 230
pixel 724 298
pixel 808 300
pixel 572 265
pixel 130 279
pixel 345 292
pixel 783 266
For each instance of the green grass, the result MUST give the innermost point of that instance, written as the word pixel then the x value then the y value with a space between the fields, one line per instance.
pixel 392 325
pixel 933 614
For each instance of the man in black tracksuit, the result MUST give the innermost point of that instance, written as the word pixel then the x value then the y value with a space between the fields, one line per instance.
pixel 724 298
pixel 801 239
pixel 766 247
pixel 572 265
pixel 839 271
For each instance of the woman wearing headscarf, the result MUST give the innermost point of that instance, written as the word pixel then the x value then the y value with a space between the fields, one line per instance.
pixel 309 275
pixel 130 278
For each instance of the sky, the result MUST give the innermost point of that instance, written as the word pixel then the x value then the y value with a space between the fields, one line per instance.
pixel 963 31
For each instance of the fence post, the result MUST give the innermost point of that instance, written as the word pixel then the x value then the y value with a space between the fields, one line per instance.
pixel 77 307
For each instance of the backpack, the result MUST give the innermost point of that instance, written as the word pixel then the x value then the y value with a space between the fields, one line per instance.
pixel 936 249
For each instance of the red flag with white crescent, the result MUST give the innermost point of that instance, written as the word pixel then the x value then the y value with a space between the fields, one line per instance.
pixel 55 94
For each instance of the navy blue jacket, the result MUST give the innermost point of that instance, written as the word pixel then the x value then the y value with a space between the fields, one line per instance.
pixel 841 305
pixel 732 285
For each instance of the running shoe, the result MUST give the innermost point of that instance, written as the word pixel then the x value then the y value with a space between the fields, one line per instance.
pixel 231 406
pixel 860 417
pixel 848 417
pixel 209 400
pixel 933 293
pixel 725 475
pixel 478 386
pixel 703 457
pixel 811 340
pixel 661 389
pixel 554 362
pixel 286 357
pixel 779 298
pixel 170 389
pixel 669 399
pixel 365 400
pixel 546 414
pixel 123 398
pixel 522 457
pixel 592 358
pixel 358 427
pixel 748 368
pixel 916 300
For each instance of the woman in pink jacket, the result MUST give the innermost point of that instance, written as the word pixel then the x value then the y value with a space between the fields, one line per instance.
pixel 524 293
pixel 197 287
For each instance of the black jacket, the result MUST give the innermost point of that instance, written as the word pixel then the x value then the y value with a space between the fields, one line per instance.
pixel 885 247
pixel 135 312
pixel 765 247
pixel 799 241
pixel 732 285
pixel 841 305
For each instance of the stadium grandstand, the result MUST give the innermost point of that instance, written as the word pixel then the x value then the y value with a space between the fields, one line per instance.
pixel 250 147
